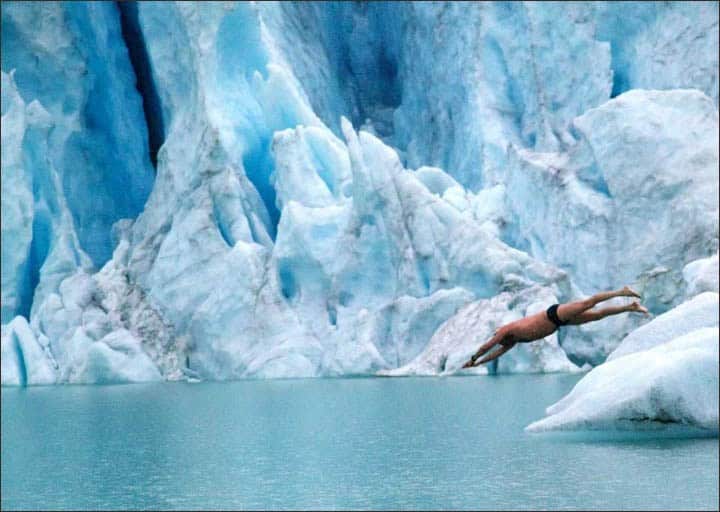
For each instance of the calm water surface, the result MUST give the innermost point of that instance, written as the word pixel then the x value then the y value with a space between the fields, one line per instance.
pixel 435 443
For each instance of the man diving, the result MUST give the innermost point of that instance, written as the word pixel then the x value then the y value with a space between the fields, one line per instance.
pixel 545 323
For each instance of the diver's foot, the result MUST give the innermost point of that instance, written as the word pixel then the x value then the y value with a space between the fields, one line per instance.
pixel 636 306
pixel 629 292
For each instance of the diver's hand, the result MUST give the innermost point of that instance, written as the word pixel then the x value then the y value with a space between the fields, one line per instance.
pixel 471 362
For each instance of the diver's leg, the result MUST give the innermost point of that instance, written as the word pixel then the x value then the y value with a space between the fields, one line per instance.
pixel 495 355
pixel 591 316
pixel 566 312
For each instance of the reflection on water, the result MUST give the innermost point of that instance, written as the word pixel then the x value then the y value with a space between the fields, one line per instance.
pixel 332 443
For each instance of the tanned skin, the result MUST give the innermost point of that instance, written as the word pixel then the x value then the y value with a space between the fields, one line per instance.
pixel 538 326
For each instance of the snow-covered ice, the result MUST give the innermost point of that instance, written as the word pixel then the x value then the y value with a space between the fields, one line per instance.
pixel 696 313
pixel 702 275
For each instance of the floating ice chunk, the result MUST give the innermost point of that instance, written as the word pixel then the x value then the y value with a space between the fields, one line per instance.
pixel 702 275
pixel 673 384
pixel 24 360
pixel 698 312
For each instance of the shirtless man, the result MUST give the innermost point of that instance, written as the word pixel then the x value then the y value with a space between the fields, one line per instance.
pixel 545 323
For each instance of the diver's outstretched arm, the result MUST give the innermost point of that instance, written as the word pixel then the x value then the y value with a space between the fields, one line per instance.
pixel 497 338
pixel 495 354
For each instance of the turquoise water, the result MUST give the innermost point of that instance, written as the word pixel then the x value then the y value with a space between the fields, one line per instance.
pixel 435 443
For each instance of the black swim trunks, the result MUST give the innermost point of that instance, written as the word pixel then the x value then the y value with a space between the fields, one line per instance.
pixel 553 316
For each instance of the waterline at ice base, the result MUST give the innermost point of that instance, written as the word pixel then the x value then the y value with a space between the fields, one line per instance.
pixel 223 191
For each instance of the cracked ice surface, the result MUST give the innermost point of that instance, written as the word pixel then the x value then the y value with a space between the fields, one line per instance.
pixel 346 188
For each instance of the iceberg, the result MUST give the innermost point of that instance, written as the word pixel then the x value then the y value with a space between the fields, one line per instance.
pixel 234 190
pixel 663 376
pixel 699 312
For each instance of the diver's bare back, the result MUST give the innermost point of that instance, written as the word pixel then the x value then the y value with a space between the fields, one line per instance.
pixel 530 328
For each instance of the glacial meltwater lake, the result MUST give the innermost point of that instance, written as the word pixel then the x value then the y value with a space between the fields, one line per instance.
pixel 379 443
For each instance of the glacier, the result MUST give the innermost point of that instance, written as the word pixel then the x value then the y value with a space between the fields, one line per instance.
pixel 230 190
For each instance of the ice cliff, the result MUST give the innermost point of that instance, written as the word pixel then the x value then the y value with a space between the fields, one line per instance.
pixel 226 190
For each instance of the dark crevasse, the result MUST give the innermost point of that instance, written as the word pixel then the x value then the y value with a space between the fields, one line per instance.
pixel 241 53
pixel 46 206
pixel 140 61
pixel 96 149
pixel 22 368
pixel 39 247
pixel 366 60
pixel 618 25
pixel 105 170
pixel 362 45
pixel 259 165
